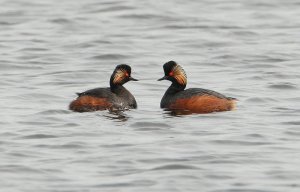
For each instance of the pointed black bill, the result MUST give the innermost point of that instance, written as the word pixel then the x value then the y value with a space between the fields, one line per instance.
pixel 163 78
pixel 132 79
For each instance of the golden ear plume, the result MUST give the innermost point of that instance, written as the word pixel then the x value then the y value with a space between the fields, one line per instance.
pixel 119 76
pixel 179 75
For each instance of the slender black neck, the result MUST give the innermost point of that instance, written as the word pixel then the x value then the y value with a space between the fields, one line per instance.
pixel 175 87
pixel 170 93
pixel 116 88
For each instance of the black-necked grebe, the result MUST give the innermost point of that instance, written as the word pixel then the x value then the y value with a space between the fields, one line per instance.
pixel 195 100
pixel 115 97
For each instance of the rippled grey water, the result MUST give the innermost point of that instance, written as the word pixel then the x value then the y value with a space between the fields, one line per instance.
pixel 245 49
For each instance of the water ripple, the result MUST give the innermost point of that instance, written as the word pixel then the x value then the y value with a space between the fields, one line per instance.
pixel 284 86
pixel 244 143
pixel 175 167
pixel 109 57
pixel 39 136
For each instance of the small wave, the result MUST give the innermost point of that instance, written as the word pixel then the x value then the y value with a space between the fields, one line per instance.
pixel 54 111
pixel 39 136
pixel 293 133
pixel 150 125
pixel 239 142
pixel 61 21
pixel 291 123
pixel 285 86
pixel 241 190
pixel 184 26
pixel 221 161
pixel 245 33
pixel 260 100
pixel 33 49
pixel 112 8
pixel 118 145
pixel 19 169
pixel 140 183
pixel 255 135
pixel 77 145
pixel 175 167
pixel 218 177
pixel 109 57
pixel 7 23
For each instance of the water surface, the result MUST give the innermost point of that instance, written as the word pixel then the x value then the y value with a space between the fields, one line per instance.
pixel 52 49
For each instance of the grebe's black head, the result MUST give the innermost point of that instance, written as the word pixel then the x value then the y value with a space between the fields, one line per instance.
pixel 174 73
pixel 121 75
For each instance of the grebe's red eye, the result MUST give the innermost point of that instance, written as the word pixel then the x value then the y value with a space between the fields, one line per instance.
pixel 171 73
